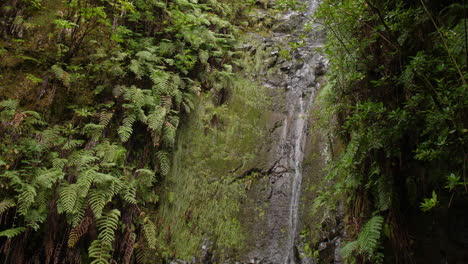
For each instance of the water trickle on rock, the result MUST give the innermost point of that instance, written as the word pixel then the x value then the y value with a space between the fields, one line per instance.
pixel 279 245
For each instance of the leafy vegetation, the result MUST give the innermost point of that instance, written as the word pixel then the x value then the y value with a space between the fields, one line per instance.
pixel 91 98
pixel 397 99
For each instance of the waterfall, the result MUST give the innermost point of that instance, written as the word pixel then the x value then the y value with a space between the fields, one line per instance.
pixel 293 90
pixel 302 87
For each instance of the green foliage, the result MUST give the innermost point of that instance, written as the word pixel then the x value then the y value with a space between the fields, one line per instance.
pixel 101 247
pixel 429 203
pixel 12 232
pixel 396 103
pixel 89 120
pixel 367 243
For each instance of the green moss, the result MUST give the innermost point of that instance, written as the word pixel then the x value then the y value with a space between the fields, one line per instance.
pixel 217 145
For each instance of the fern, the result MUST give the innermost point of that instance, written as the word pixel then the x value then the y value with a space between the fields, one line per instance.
pixel 164 163
pixel 367 242
pixel 145 176
pixel 93 130
pixel 101 247
pixel 26 199
pixel 156 119
pixel 47 177
pixel 77 232
pixel 129 194
pixel 126 129
pixel 107 225
pixel 100 252
pixel 61 75
pixel 85 179
pixel 12 232
pixel 150 232
pixel 370 235
pixel 105 118
pixel 6 204
pixel 68 196
pixel 9 110
pixel 97 200
pixel 160 81
pixel 130 245
pixel 169 134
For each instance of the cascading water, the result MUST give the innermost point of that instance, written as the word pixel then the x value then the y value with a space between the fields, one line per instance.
pixel 298 79
pixel 303 93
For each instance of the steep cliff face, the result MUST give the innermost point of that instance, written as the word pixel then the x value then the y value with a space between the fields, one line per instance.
pixel 272 189
pixel 277 196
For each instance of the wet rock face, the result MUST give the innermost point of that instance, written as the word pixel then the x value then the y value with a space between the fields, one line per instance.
pixel 274 237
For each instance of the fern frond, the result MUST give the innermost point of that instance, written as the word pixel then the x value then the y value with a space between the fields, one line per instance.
pixel 97 200
pixel 369 236
pixel 149 230
pixel 107 225
pixel 77 232
pixel 169 134
pixel 61 75
pixel 156 119
pixel 126 129
pixel 93 130
pixel 119 90
pixel 6 204
pixel 146 174
pixel 100 252
pixel 68 196
pixel 349 249
pixel 164 162
pixel 105 118
pixel 84 181
pixel 9 104
pixel 130 245
pixel 26 198
pixel 12 232
pixel 9 110
pixel 160 81
pixel 384 193
pixel 47 177
pixel 137 68
pixel 129 194
pixel 58 163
